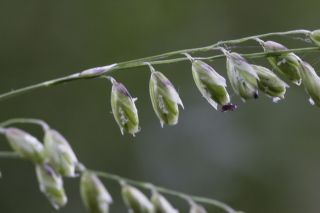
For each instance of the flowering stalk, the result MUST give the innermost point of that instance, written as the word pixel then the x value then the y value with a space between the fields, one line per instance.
pixel 147 186
pixel 165 58
pixel 82 171
pixel 59 159
pixel 39 122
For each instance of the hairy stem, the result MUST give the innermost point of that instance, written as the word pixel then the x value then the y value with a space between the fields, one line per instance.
pixel 165 58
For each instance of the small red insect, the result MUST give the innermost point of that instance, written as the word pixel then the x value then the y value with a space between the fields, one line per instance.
pixel 229 107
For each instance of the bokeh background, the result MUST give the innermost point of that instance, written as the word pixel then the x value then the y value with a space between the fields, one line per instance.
pixel 263 158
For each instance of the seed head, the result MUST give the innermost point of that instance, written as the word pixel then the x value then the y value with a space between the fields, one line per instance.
pixel 135 200
pixel 270 83
pixel 286 63
pixel 51 184
pixel 211 85
pixel 164 98
pixel 59 153
pixel 242 76
pixel 161 204
pixel 94 195
pixel 315 37
pixel 196 208
pixel 25 145
pixel 124 109
pixel 311 82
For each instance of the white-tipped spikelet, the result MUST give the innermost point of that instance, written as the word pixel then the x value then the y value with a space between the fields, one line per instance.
pixel 60 153
pixel 94 195
pixel 315 37
pixel 243 78
pixel 211 84
pixel 136 201
pixel 270 83
pixel 286 64
pixel 311 82
pixel 25 145
pixel 161 204
pixel 124 109
pixel 51 184
pixel 196 208
pixel 164 98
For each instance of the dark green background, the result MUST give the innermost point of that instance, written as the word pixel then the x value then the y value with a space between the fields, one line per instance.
pixel 263 158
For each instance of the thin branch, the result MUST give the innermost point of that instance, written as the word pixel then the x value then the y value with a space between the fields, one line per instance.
pixel 124 65
pixel 241 40
pixel 211 47
pixel 154 60
pixel 163 190
pixel 39 122
pixel 248 56
pixel 9 155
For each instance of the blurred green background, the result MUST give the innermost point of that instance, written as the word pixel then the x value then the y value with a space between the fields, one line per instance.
pixel 263 158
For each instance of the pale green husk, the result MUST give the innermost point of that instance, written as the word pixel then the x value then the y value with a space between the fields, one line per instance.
pixel 51 184
pixel 211 85
pixel 94 195
pixel 60 153
pixel 161 204
pixel 315 37
pixel 136 201
pixel 164 98
pixel 124 109
pixel 242 76
pixel 270 83
pixel 25 145
pixel 287 64
pixel 195 208
pixel 311 82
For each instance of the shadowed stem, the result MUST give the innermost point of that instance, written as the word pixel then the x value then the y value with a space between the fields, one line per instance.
pixel 39 122
pixel 9 155
pixel 165 58
pixel 163 190
pixel 145 185
pixel 213 46
pixel 306 33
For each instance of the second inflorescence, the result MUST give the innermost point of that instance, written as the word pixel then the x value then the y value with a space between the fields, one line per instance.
pixel 54 159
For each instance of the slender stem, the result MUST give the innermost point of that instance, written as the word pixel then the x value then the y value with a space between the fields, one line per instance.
pixel 210 47
pixel 163 190
pixel 125 65
pixel 241 40
pixel 9 155
pixel 248 56
pixel 145 185
pixel 43 124
pixel 153 60
pixel 266 54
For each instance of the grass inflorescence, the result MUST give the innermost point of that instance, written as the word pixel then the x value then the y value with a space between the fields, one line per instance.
pixel 55 159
